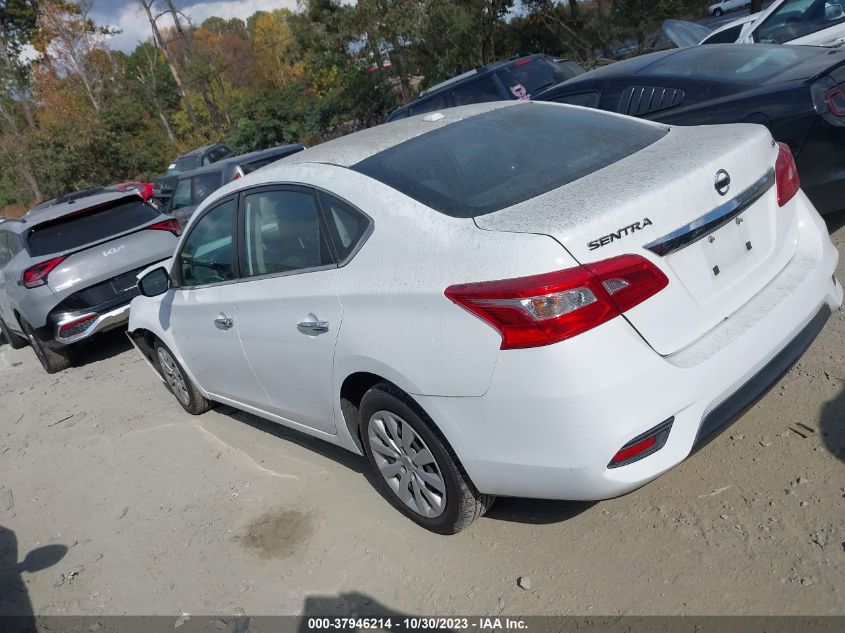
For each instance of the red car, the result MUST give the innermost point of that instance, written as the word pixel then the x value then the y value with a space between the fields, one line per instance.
pixel 144 189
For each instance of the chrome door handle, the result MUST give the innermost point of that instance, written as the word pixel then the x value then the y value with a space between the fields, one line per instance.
pixel 223 322
pixel 313 326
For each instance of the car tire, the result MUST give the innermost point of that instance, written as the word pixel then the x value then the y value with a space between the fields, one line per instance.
pixel 52 360
pixel 717 13
pixel 433 491
pixel 177 381
pixel 15 340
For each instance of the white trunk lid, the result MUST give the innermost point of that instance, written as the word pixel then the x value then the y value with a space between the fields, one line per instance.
pixel 668 191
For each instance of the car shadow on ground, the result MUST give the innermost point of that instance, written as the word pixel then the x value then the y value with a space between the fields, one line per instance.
pixel 835 221
pixel 343 457
pixel 515 510
pixel 101 347
pixel 833 425
pixel 16 613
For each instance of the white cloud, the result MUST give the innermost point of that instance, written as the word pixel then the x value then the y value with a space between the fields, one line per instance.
pixel 132 21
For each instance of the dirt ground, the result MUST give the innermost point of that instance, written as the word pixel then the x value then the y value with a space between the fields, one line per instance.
pixel 148 510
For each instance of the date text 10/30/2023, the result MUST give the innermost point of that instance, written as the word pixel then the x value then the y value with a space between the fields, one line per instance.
pixel 418 623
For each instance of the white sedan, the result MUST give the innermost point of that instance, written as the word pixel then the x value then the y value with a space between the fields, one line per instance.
pixel 521 299
pixel 720 8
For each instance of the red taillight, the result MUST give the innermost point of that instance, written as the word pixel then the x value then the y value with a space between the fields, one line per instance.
pixel 173 225
pixel 835 100
pixel 37 275
pixel 786 175
pixel 544 309
pixel 523 61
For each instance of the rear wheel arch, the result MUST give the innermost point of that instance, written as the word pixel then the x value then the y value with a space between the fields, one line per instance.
pixel 357 384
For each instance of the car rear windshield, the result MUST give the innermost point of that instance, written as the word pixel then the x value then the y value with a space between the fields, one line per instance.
pixel 748 64
pixel 506 156
pixel 88 227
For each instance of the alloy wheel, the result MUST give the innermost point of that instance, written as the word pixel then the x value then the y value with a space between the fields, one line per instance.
pixel 173 376
pixel 406 464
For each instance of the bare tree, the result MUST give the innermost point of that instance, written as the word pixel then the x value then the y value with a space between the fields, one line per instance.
pixel 172 62
pixel 70 37
pixel 148 80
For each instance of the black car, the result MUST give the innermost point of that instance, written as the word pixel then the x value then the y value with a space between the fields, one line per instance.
pixel 196 158
pixel 798 92
pixel 514 78
pixel 190 188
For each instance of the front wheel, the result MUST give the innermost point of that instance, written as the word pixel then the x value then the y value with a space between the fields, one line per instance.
pixel 52 360
pixel 179 384
pixel 415 468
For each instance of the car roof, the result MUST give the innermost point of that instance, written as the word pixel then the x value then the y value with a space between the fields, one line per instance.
pixel 353 148
pixel 35 217
pixel 706 59
pixel 261 153
pixel 200 150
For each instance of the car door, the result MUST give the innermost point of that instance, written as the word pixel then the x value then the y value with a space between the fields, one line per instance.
pixel 288 312
pixel 202 310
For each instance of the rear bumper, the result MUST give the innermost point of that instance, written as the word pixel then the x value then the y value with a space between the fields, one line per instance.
pixel 554 417
pixel 101 322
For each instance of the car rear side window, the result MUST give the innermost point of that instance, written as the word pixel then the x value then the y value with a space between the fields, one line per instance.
pixel 207 256
pixel 528 75
pixel 437 102
pixel 347 225
pixel 585 99
pixel 90 226
pixel 506 156
pixel 284 233
pixel 205 185
pixel 477 91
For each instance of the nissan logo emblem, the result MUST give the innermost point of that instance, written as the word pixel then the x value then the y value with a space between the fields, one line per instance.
pixel 722 182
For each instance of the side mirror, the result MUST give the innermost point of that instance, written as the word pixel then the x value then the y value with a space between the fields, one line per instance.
pixel 154 283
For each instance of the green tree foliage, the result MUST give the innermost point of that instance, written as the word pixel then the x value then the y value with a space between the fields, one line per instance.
pixel 81 114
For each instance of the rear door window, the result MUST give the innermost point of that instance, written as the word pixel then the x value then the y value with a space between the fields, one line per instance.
pixel 182 195
pixel 88 227
pixel 284 233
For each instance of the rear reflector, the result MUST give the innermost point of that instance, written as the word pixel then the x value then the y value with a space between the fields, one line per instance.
pixel 76 326
pixel 37 275
pixel 173 225
pixel 548 308
pixel 643 445
pixel 786 175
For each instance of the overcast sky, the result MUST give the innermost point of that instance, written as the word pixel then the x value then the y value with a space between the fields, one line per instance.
pixel 128 16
